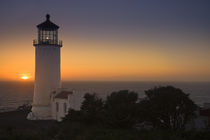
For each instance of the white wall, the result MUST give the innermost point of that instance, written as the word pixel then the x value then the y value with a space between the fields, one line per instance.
pixel 47 78
pixel 60 113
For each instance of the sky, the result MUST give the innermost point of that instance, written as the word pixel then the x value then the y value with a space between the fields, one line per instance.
pixel 111 40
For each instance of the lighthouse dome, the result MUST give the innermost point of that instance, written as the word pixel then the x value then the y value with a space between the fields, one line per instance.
pixel 47 25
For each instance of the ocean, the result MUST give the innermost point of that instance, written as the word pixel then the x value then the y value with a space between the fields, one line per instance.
pixel 14 94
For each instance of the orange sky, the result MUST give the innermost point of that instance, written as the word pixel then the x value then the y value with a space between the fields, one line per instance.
pixel 85 59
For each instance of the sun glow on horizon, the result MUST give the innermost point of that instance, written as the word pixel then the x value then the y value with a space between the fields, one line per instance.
pixel 24 77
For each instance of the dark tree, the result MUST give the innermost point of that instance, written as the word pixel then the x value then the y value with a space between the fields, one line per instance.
pixel 73 115
pixel 25 108
pixel 91 108
pixel 120 109
pixel 167 107
pixel 89 112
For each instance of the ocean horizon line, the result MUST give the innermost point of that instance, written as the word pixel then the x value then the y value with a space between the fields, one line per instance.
pixel 145 81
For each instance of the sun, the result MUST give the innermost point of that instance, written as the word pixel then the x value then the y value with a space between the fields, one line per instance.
pixel 24 77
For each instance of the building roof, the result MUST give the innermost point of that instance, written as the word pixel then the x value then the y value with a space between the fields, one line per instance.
pixel 63 94
pixel 47 25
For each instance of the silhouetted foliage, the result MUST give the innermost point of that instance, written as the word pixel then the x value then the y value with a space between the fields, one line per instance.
pixel 167 107
pixel 89 112
pixel 91 108
pixel 73 115
pixel 120 109
pixel 164 107
pixel 25 107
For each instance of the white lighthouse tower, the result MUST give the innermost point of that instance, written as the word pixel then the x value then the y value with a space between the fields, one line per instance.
pixel 47 69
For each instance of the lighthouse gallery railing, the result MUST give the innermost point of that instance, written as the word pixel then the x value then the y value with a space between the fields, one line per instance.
pixel 47 42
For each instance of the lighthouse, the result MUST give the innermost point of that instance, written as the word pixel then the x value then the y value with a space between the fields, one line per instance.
pixel 47 69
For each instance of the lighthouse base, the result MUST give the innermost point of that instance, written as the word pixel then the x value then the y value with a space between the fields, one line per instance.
pixel 40 113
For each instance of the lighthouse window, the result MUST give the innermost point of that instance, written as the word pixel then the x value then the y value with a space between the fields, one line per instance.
pixel 47 37
pixel 57 107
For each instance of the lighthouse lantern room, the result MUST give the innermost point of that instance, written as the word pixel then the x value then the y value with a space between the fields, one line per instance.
pixel 47 33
